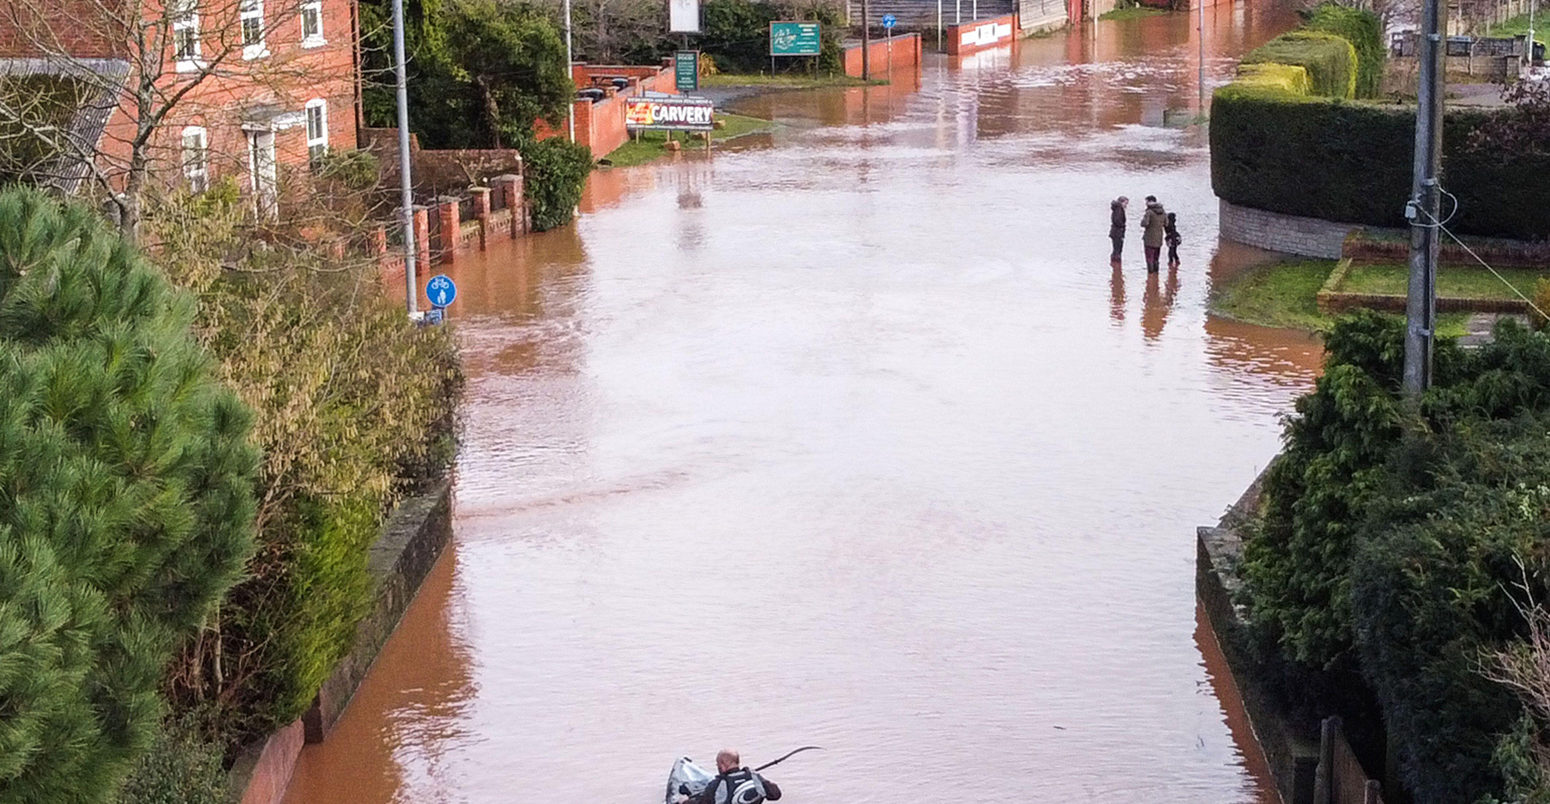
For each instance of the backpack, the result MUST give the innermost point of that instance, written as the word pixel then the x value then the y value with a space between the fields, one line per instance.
pixel 741 786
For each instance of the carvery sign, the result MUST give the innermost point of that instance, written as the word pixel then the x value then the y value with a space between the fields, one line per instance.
pixel 669 114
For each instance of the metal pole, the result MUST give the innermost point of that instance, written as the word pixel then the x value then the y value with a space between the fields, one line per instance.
pixel 939 26
pixel 958 14
pixel 411 296
pixel 976 9
pixel 1202 77
pixel 1424 207
pixel 570 107
pixel 1531 4
pixel 866 41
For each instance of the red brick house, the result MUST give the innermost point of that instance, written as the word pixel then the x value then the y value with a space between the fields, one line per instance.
pixel 251 89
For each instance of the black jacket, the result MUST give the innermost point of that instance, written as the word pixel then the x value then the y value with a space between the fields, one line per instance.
pixel 771 791
pixel 1116 219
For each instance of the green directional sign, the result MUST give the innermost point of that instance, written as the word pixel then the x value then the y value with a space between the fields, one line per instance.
pixel 686 70
pixel 794 39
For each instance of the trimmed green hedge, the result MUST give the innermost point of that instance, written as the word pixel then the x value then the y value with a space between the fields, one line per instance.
pixel 1329 59
pixel 1351 162
pixel 1364 31
pixel 1275 77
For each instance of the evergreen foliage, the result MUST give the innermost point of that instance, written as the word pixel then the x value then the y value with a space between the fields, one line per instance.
pixel 126 498
pixel 353 406
pixel 1352 161
pixel 183 766
pixel 737 34
pixel 480 72
pixel 556 172
pixel 1329 59
pixel 1364 30
pixel 1390 535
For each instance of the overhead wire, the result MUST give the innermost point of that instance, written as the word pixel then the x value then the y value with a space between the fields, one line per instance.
pixel 1442 226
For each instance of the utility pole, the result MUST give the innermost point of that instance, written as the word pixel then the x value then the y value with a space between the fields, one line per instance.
pixel 411 295
pixel 1424 208
pixel 570 105
pixel 866 41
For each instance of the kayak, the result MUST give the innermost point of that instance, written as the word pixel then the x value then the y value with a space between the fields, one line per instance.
pixel 687 779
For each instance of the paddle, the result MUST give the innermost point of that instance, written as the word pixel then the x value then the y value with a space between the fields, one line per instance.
pixel 788 756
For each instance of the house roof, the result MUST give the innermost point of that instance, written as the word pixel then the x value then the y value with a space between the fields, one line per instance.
pixel 53 112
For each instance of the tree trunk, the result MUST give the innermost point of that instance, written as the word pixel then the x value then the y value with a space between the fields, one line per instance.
pixel 492 112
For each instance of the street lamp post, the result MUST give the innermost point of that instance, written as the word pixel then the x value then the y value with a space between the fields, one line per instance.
pixel 406 185
pixel 570 106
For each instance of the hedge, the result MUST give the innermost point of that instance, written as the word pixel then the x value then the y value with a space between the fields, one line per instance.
pixel 1283 77
pixel 1351 162
pixel 1329 59
pixel 1364 31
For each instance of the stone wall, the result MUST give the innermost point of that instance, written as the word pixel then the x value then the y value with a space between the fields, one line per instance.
pixel 1291 749
pixel 1289 234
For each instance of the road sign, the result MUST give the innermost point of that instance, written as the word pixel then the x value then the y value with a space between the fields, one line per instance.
pixel 686 70
pixel 440 290
pixel 794 39
pixel 683 16
pixel 889 21
pixel 669 113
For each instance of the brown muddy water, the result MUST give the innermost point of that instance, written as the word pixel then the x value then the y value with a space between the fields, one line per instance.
pixel 852 437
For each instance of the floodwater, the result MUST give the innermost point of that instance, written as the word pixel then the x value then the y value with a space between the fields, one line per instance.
pixel 852 437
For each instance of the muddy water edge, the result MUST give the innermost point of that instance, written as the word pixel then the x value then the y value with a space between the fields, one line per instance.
pixel 851 436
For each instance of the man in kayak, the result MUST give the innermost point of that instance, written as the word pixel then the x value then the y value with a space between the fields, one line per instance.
pixel 735 784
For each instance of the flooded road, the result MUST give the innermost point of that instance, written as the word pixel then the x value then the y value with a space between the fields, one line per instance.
pixel 852 439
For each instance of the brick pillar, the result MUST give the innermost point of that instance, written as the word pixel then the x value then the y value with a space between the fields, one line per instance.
pixel 422 237
pixel 447 213
pixel 509 185
pixel 482 212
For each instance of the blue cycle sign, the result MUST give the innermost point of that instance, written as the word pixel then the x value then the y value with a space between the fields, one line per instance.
pixel 440 290
pixel 889 21
pixel 794 39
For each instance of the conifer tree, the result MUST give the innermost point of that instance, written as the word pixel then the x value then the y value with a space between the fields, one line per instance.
pixel 126 497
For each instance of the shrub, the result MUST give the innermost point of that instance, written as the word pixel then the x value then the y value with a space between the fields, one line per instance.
pixel 183 766
pixel 126 498
pixel 736 33
pixel 1329 59
pixel 1296 559
pixel 1428 593
pixel 1351 162
pixel 1268 77
pixel 1364 30
pixel 554 174
pixel 346 399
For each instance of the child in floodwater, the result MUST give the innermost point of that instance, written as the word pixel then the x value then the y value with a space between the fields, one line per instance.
pixel 1171 230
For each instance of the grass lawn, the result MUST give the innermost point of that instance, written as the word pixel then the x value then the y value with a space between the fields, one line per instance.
pixel 1466 282
pixel 1285 294
pixel 1519 25
pixel 1134 12
pixel 653 144
pixel 784 81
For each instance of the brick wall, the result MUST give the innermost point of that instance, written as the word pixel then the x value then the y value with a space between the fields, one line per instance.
pixel 273 89
pixel 1289 234
pixel 906 54
pixel 81 28
pixel 981 34
pixel 600 126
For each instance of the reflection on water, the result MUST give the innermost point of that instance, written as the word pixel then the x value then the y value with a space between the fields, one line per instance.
pixel 850 439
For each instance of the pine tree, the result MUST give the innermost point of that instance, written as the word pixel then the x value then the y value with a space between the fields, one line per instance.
pixel 126 497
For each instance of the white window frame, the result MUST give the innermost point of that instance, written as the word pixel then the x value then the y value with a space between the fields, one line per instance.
pixel 185 17
pixel 252 10
pixel 315 39
pixel 320 141
pixel 196 161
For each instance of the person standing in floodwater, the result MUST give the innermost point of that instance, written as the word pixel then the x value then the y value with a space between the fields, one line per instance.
pixel 1153 232
pixel 1173 238
pixel 1117 226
